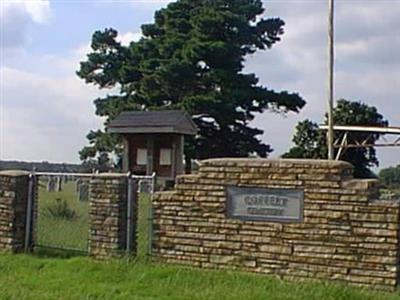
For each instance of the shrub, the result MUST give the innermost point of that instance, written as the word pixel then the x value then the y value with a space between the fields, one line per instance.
pixel 59 209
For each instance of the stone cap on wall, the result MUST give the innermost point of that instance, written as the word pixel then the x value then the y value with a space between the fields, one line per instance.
pixel 284 162
pixel 14 173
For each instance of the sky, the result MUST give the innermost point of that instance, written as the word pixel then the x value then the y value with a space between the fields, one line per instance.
pixel 46 110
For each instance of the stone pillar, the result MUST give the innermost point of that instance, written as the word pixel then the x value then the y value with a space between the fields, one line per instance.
pixel 108 216
pixel 14 190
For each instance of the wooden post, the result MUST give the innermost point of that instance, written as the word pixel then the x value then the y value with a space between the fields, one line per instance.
pixel 330 80
pixel 180 153
pixel 150 155
pixel 173 157
pixel 125 156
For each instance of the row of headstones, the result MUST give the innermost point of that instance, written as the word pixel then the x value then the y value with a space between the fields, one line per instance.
pixel 54 184
pixel 145 186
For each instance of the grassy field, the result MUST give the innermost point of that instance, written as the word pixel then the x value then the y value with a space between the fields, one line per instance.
pixel 55 230
pixel 44 276
pixel 73 233
pixel 32 277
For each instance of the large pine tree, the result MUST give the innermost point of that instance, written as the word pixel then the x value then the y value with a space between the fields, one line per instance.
pixel 191 58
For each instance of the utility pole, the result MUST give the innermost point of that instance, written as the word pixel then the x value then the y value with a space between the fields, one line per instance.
pixel 330 84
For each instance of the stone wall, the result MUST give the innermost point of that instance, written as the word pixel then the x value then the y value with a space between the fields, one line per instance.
pixel 108 216
pixel 14 187
pixel 345 234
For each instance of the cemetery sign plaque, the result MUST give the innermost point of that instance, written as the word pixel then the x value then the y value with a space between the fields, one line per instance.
pixel 262 204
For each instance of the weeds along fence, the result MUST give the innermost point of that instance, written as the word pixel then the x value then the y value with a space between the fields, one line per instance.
pixel 59 206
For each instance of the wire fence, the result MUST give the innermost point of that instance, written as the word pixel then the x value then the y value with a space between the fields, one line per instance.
pixel 62 211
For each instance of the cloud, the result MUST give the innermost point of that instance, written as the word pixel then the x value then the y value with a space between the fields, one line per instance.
pixel 17 16
pixel 39 10
pixel 50 116
pixel 48 110
pixel 128 37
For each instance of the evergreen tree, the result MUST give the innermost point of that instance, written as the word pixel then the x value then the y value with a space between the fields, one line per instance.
pixel 191 58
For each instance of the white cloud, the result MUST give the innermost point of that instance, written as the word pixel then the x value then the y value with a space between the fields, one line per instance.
pixel 128 37
pixel 45 117
pixel 62 65
pixel 17 16
pixel 39 10
pixel 47 110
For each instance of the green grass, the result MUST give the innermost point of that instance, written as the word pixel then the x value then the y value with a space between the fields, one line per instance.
pixel 29 277
pixel 58 232
pixel 143 234
pixel 73 234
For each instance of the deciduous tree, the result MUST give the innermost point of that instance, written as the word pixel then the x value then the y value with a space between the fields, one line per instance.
pixel 390 177
pixel 310 142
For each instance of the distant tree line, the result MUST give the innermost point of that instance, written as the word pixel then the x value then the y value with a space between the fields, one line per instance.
pixel 45 166
pixel 390 177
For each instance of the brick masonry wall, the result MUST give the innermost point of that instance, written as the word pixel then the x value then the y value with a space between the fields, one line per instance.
pixel 345 236
pixel 108 216
pixel 14 187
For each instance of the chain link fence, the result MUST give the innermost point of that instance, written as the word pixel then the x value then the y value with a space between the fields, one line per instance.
pixel 62 211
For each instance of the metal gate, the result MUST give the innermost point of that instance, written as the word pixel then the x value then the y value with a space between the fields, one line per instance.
pixel 145 189
pixel 61 211
pixel 59 214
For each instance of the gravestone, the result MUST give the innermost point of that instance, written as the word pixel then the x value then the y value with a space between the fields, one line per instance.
pixel 145 186
pixel 59 184
pixel 78 182
pixel 83 192
pixel 51 184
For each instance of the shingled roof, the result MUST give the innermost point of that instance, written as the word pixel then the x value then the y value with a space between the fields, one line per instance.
pixel 163 121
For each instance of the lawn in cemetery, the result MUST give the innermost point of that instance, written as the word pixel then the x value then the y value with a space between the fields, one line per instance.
pixel 63 220
pixel 35 277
